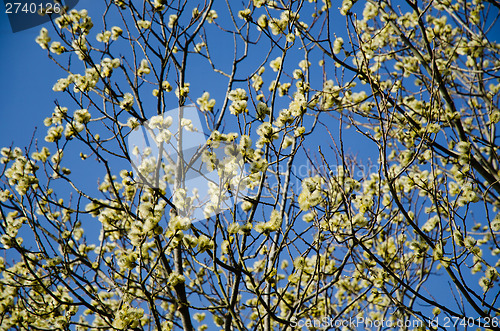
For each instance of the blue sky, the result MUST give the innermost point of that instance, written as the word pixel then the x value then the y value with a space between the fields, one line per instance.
pixel 24 88
pixel 28 76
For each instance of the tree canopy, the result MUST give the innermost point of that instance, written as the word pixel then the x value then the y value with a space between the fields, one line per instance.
pixel 355 146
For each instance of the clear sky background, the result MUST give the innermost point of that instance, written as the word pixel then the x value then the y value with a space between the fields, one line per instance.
pixel 27 77
pixel 25 85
